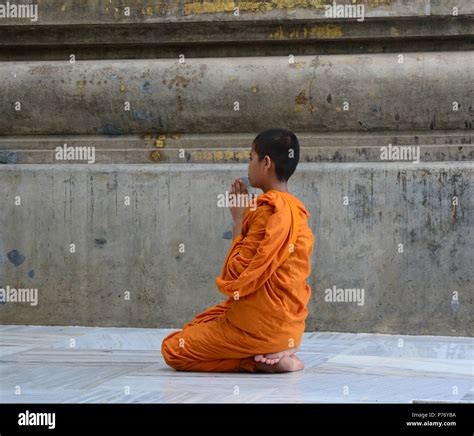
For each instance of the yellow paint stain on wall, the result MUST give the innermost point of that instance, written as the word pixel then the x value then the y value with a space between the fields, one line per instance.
pixel 303 103
pixel 298 65
pixel 301 98
pixel 394 31
pixel 123 88
pixel 320 31
pixel 328 31
pixel 290 4
pixel 299 108
pixel 294 33
pixel 181 80
pixel 242 155
pixel 232 77
pixel 220 156
pixel 279 34
pixel 160 7
pixel 159 143
pixel 453 210
pixel 155 156
pixel 376 3
pixel 197 7
pixel 202 155
pixel 209 7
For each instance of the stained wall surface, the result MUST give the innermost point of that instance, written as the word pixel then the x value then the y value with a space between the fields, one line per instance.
pixel 159 104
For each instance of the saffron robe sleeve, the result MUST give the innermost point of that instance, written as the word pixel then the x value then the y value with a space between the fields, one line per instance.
pixel 264 277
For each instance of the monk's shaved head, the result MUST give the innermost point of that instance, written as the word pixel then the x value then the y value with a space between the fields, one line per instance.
pixel 282 146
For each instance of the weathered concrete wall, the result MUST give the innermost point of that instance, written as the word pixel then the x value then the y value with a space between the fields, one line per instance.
pixel 135 248
pixel 404 74
pixel 327 93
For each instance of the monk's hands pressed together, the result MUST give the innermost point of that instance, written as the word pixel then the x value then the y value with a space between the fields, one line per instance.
pixel 239 189
pixel 242 201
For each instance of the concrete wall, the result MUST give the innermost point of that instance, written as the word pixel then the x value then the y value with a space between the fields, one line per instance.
pixel 135 247
pixel 182 140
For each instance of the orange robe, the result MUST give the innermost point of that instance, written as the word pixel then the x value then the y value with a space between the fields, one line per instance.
pixel 264 277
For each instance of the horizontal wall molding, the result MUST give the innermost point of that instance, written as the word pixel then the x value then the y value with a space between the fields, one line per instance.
pixel 68 12
pixel 330 93
pixel 198 148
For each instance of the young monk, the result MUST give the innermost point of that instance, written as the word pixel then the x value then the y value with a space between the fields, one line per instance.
pixel 259 327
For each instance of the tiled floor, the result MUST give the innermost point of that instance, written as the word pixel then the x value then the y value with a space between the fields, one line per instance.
pixel 122 365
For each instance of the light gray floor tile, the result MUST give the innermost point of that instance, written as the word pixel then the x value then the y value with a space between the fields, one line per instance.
pixel 124 365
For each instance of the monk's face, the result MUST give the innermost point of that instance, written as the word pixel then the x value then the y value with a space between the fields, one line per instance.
pixel 256 170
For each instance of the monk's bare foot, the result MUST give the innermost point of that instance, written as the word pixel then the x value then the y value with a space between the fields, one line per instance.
pixel 285 364
pixel 272 358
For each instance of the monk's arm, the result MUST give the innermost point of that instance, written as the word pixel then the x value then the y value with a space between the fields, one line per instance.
pixel 236 228
pixel 244 250
pixel 255 234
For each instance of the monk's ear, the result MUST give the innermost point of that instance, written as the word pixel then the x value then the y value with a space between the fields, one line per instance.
pixel 268 161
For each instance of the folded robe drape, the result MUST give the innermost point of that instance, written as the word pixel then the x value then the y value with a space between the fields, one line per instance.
pixel 264 277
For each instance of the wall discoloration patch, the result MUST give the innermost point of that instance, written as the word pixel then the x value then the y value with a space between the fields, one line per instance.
pixel 155 156
pixel 319 31
pixel 219 156
pixel 15 257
